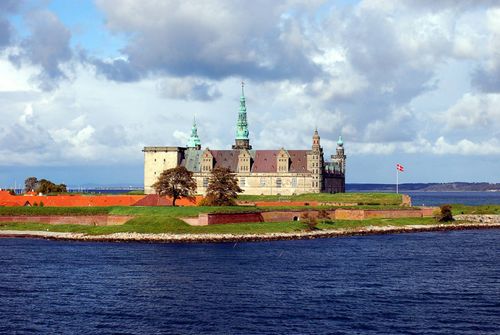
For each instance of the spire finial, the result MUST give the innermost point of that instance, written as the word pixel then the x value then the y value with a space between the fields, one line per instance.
pixel 194 140
pixel 242 88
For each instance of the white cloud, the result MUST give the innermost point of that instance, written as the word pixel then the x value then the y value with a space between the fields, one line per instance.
pixel 473 111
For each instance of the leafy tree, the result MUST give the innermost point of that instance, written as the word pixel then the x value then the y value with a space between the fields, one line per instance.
pixel 445 214
pixel 30 184
pixel 222 188
pixel 176 183
pixel 46 186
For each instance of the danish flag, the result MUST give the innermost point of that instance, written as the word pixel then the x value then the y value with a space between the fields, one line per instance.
pixel 400 167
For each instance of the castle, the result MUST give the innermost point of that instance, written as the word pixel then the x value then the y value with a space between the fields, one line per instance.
pixel 267 172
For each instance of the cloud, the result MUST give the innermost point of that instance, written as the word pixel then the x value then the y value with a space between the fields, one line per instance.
pixel 48 47
pixel 473 112
pixel 188 88
pixel 212 39
pixel 6 30
pixel 26 136
pixel 117 69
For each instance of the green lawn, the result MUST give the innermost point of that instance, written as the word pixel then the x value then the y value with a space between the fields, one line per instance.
pixel 360 198
pixel 164 224
pixel 54 210
pixel 482 209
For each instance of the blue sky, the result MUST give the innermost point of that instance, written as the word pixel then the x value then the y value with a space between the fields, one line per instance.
pixel 84 85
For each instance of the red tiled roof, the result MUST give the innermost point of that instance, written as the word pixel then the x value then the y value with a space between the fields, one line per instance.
pixel 153 200
pixel 226 158
pixel 265 161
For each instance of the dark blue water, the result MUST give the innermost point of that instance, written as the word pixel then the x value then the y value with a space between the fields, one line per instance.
pixel 465 198
pixel 432 283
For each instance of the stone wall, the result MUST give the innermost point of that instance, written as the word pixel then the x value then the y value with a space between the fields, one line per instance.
pixel 338 214
pixel 266 183
pixel 221 218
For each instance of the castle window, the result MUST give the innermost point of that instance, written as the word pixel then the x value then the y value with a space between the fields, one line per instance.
pixel 294 182
pixel 278 182
pixel 242 182
pixel 205 182
pixel 262 182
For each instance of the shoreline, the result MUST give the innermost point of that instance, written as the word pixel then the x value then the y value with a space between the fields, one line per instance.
pixel 233 238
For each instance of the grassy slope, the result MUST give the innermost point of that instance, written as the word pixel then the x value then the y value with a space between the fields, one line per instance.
pixel 166 219
pixel 483 209
pixel 165 224
pixel 360 198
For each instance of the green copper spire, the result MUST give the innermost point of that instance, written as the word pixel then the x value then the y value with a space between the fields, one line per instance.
pixel 194 140
pixel 242 124
pixel 340 142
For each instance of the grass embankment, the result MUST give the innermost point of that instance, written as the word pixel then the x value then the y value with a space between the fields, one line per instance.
pixel 164 224
pixel 32 211
pixel 481 209
pixel 359 198
pixel 167 219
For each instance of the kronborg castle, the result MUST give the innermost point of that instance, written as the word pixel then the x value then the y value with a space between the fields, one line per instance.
pixel 283 171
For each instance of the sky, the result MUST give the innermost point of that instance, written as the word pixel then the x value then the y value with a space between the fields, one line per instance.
pixel 85 85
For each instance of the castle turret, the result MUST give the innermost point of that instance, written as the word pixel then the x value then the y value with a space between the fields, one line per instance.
pixel 340 158
pixel 194 141
pixel 242 141
pixel 315 163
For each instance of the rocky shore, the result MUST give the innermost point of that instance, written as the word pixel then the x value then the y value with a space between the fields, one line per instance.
pixel 492 223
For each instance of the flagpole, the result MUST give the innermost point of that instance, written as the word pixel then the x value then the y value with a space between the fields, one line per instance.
pixel 397 181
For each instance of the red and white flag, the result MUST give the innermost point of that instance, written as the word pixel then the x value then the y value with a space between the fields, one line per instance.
pixel 400 167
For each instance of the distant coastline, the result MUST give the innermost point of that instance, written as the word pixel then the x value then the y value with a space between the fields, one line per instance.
pixel 425 187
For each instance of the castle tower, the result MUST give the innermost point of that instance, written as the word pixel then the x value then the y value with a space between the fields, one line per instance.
pixel 242 141
pixel 315 163
pixel 194 141
pixel 340 157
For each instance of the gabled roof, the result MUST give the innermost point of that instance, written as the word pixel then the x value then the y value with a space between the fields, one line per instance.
pixel 226 158
pixel 263 161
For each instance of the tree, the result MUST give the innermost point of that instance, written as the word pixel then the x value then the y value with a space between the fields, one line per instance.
pixel 175 183
pixel 222 188
pixel 30 184
pixel 310 221
pixel 46 186
pixel 445 214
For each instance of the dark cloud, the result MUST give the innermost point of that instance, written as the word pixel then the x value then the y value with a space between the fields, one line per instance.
pixel 6 29
pixel 213 39
pixel 5 33
pixel 118 70
pixel 10 6
pixel 487 81
pixel 188 89
pixel 48 46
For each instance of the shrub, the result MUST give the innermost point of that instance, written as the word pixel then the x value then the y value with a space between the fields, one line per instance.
pixel 445 214
pixel 212 201
pixel 309 221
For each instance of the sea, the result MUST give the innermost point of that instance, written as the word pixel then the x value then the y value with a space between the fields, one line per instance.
pixel 413 283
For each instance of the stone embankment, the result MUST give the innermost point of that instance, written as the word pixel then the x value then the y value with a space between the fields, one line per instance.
pixel 483 218
pixel 218 238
